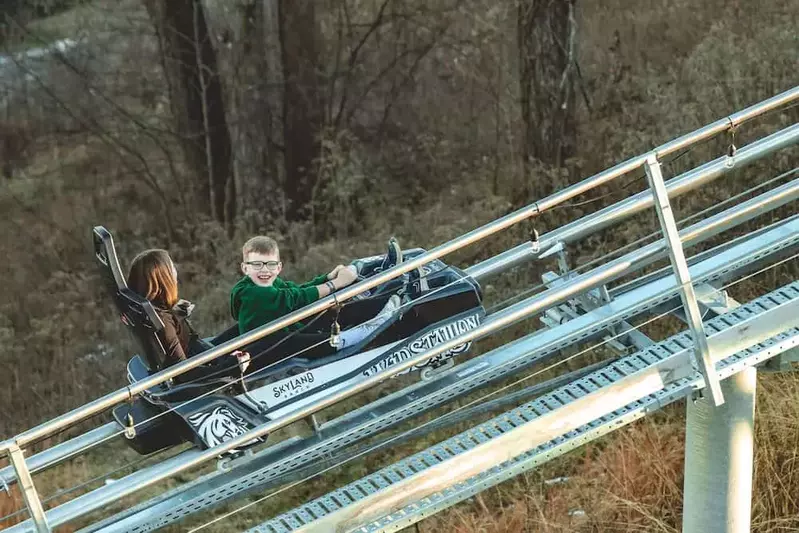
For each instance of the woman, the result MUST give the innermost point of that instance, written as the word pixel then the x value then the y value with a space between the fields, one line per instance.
pixel 153 275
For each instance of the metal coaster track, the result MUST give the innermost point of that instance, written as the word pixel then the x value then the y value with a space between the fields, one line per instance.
pixel 273 465
pixel 606 400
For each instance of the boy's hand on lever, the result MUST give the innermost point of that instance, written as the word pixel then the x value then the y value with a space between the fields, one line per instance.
pixel 334 273
pixel 345 276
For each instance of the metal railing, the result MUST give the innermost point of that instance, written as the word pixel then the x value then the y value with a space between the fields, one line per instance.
pixel 566 234
pixel 624 265
pixel 637 203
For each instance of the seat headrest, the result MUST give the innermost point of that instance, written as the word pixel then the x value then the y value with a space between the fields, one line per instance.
pixel 135 311
pixel 107 256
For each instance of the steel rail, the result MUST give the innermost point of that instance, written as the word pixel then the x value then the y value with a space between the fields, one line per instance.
pixel 678 185
pixel 269 466
pixel 398 495
pixel 61 452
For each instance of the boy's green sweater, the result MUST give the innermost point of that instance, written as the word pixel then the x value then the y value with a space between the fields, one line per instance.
pixel 252 305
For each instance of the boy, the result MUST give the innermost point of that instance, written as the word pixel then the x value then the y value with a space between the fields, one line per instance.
pixel 261 296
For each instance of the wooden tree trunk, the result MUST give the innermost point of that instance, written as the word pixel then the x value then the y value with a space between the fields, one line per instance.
pixel 249 59
pixel 546 40
pixel 198 107
pixel 303 110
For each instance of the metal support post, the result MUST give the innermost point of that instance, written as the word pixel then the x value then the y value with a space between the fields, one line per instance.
pixel 622 338
pixel 712 302
pixel 313 423
pixel 719 451
pixel 715 300
pixel 29 494
pixel 680 266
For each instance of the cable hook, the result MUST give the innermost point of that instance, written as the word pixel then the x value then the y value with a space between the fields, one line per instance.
pixel 130 428
pixel 731 149
pixel 335 328
pixel 536 244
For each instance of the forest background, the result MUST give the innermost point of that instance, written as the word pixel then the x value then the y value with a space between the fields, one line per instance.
pixel 334 124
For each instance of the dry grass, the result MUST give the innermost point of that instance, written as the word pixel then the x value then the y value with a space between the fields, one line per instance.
pixel 9 504
pixel 677 65
pixel 631 481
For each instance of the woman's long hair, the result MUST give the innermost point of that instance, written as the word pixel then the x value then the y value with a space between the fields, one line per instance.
pixel 152 276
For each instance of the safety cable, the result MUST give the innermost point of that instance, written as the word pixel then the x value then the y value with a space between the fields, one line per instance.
pixel 630 182
pixel 524 293
pixel 481 399
pixel 426 295
pixel 232 367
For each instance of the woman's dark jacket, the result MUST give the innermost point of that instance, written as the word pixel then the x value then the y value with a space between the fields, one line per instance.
pixel 180 341
pixel 177 335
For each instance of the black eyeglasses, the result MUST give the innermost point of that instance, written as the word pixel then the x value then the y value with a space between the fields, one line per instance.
pixel 259 265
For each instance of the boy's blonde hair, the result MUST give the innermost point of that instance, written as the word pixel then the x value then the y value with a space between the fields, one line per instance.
pixel 260 245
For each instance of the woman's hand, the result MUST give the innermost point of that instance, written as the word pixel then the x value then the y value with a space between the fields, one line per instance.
pixel 243 359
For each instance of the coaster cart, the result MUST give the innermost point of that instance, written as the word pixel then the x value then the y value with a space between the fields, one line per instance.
pixel 216 402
